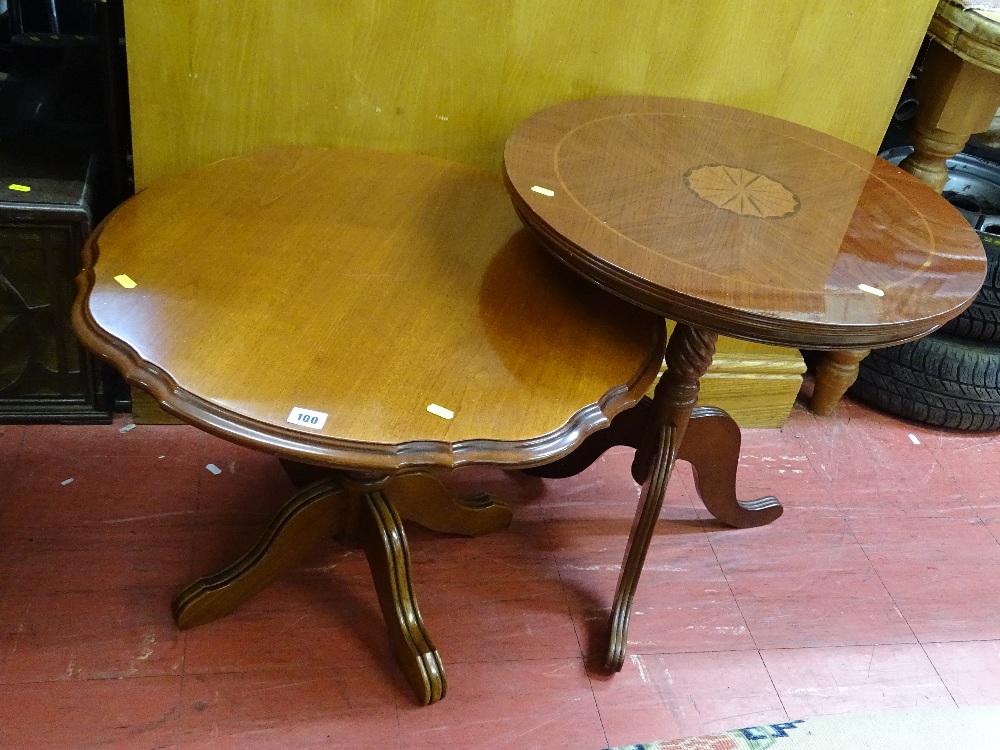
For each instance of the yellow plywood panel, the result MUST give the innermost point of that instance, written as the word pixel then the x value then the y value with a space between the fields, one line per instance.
pixel 212 78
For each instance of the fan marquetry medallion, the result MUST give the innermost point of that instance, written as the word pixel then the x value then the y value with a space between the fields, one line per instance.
pixel 742 191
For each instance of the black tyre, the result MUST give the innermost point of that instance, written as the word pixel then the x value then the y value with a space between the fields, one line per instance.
pixel 981 321
pixel 939 380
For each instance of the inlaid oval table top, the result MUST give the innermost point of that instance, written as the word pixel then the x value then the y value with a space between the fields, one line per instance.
pixel 742 223
pixel 366 287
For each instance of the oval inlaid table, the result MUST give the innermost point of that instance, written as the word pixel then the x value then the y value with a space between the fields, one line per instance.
pixel 731 222
pixel 380 315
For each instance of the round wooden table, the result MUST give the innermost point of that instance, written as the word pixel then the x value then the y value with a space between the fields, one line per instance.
pixel 377 314
pixel 732 222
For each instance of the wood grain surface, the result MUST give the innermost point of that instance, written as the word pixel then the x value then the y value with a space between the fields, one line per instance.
pixel 958 96
pixel 210 79
pixel 751 226
pixel 973 35
pixel 366 286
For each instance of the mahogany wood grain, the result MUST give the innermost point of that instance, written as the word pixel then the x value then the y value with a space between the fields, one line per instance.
pixel 714 455
pixel 729 221
pixel 654 486
pixel 384 543
pixel 745 224
pixel 208 80
pixel 367 286
pixel 317 512
pixel 711 445
pixel 334 505
pixel 422 499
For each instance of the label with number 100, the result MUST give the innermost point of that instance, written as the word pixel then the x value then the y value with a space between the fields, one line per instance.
pixel 307 418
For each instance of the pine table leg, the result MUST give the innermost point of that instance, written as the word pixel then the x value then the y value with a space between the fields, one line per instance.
pixel 957 98
pixel 835 373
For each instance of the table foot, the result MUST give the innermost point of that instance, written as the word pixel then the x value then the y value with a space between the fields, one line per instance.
pixel 388 556
pixel 423 499
pixel 321 510
pixel 712 447
pixel 315 513
pixel 647 513
pixel 835 373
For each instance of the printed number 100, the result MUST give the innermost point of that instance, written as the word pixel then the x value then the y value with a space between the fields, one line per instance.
pixel 307 419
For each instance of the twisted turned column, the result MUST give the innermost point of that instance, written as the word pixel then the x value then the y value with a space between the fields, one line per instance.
pixel 689 355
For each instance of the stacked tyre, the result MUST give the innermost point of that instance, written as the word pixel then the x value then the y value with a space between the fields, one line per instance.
pixel 950 378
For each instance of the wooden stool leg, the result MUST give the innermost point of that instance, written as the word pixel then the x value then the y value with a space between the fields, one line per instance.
pixel 712 447
pixel 835 373
pixel 957 98
pixel 689 354
pixel 421 498
pixel 385 547
pixel 315 513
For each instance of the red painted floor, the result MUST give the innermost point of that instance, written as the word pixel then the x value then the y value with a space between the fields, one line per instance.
pixel 877 590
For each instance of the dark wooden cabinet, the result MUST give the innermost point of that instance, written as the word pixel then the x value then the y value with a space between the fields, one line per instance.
pixel 45 215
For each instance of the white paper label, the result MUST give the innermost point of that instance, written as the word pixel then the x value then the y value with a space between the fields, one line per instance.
pixel 308 418
pixel 440 411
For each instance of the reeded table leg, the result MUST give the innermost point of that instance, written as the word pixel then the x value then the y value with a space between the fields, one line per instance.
pixel 711 445
pixel 689 354
pixel 388 556
pixel 315 513
pixel 325 508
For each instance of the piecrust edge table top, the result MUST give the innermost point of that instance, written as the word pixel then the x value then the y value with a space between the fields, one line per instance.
pixel 360 455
